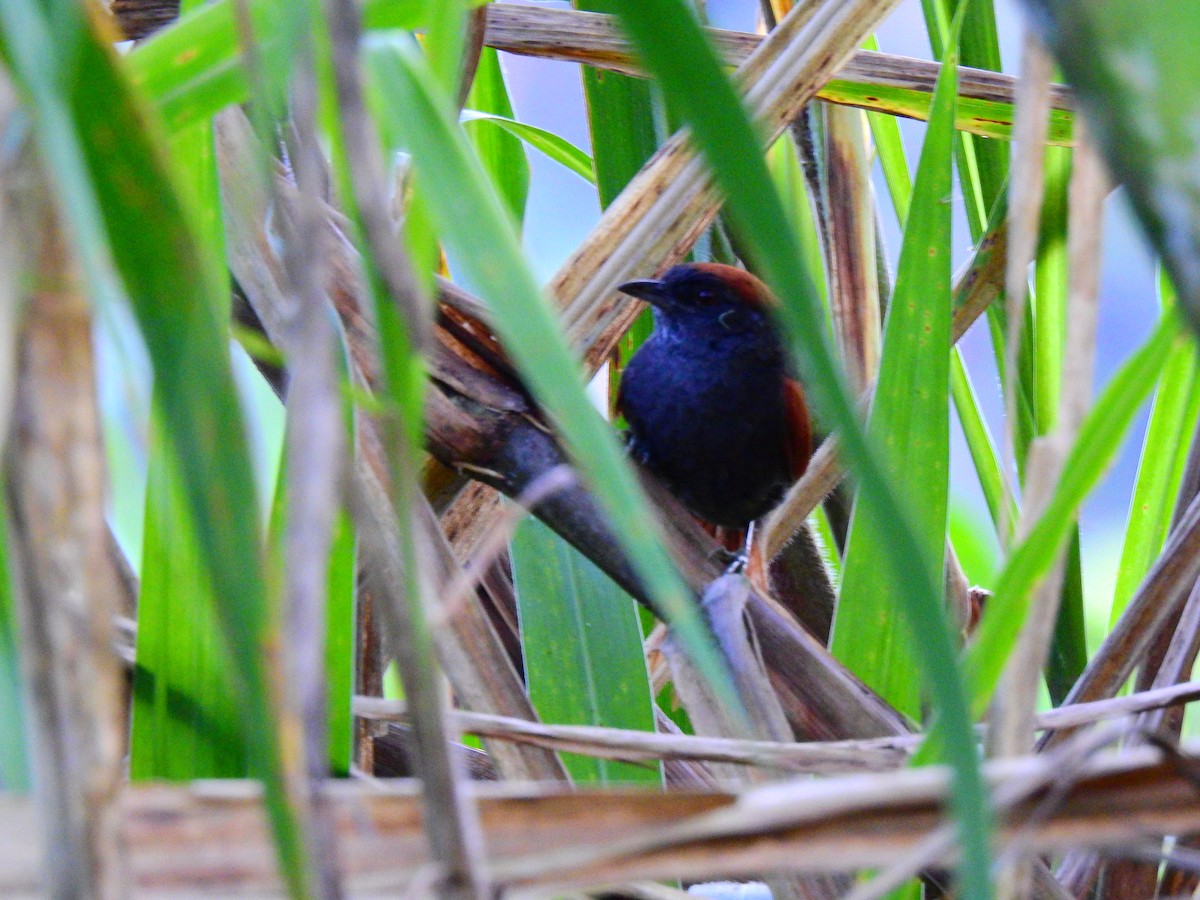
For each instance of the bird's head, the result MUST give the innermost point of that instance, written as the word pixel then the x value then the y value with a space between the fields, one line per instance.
pixel 707 297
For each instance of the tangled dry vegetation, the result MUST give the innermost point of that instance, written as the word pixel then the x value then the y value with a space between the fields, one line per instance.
pixel 812 786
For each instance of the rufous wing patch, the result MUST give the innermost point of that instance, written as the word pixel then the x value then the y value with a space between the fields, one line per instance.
pixel 799 428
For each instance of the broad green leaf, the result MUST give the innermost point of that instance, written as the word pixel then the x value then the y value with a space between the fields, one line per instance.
pixel 474 225
pixel 582 645
pixel 910 419
pixel 1099 438
pixel 186 720
pixel 106 164
pixel 1172 422
pixel 498 147
pixel 14 760
pixel 670 42
pixel 557 148
pixel 185 716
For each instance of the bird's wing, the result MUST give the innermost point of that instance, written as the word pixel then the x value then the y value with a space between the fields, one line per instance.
pixel 799 429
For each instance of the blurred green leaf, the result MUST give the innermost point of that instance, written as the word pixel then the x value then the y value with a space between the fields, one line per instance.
pixel 499 148
pixel 186 719
pixel 194 67
pixel 1134 66
pixel 185 715
pixel 975 542
pixel 582 645
pixel 340 631
pixel 106 163
pixel 14 761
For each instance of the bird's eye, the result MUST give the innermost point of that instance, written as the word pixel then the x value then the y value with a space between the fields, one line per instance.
pixel 706 296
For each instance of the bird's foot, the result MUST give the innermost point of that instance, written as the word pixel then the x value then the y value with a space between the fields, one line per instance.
pixel 735 563
pixel 732 561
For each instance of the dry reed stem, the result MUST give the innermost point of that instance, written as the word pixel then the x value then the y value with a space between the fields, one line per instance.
pixel 850 256
pixel 315 444
pixel 595 41
pixel 813 757
pixel 214 834
pixel 65 589
pixel 1016 698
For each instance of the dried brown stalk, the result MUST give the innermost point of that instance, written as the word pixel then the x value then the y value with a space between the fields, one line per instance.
pixel 66 590
pixel 547 840
pixel 816 757
pixel 850 256
pixel 315 442
pixel 594 40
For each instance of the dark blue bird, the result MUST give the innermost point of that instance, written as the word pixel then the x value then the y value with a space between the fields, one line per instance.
pixel 712 408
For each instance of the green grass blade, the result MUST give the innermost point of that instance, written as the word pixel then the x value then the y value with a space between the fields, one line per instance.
pixel 979 440
pixel 475 227
pixel 985 118
pixel 127 215
pixel 1172 421
pixel 14 759
pixel 1095 448
pixel 889 146
pixel 670 42
pixel 186 719
pixel 910 418
pixel 982 163
pixel 340 629
pixel 582 643
pixel 621 121
pixel 499 146
pixel 557 148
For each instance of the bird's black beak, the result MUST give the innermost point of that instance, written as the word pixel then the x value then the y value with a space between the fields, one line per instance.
pixel 651 290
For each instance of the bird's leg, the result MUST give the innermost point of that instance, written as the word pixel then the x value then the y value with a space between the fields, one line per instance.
pixel 742 559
